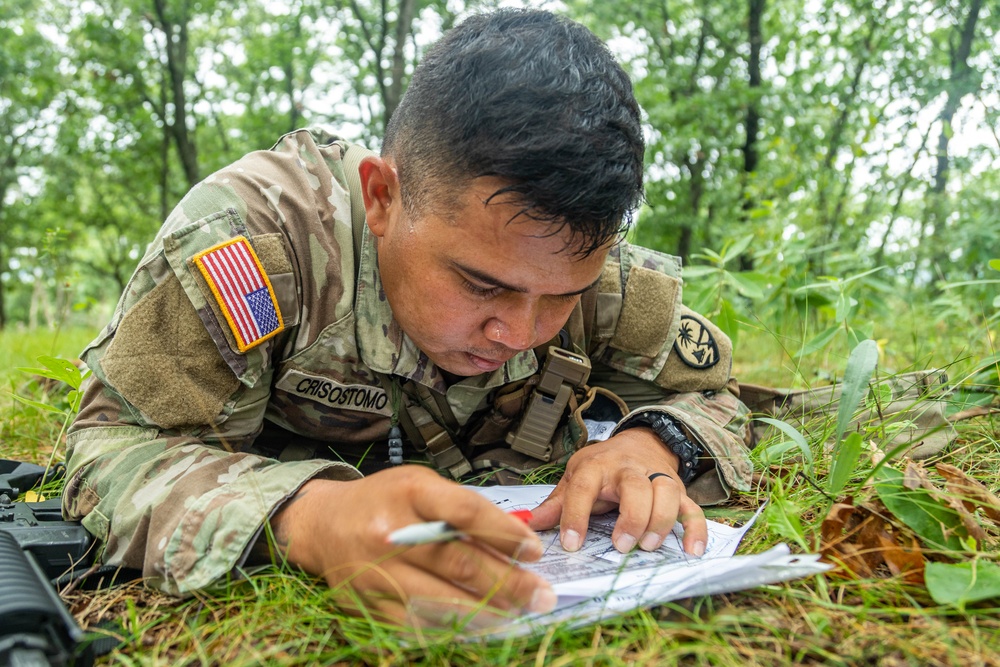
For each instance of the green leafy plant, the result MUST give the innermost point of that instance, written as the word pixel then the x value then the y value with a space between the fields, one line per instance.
pixel 958 584
pixel 860 367
pixel 62 371
pixel 846 300
pixel 720 290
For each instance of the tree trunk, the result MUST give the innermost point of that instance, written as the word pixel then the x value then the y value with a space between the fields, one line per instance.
pixel 176 34
pixel 959 84
pixel 7 167
pixel 830 219
pixel 295 104
pixel 165 174
pixel 752 121
pixel 404 26
pixel 696 168
pixel 907 178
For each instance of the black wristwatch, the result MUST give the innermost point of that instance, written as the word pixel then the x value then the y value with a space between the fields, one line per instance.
pixel 672 437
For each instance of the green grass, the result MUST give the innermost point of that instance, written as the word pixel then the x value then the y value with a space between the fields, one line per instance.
pixel 26 433
pixel 279 617
pixel 20 348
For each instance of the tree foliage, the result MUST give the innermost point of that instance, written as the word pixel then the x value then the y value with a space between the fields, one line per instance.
pixel 790 144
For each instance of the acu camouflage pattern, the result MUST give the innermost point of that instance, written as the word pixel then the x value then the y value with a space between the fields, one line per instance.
pixel 184 447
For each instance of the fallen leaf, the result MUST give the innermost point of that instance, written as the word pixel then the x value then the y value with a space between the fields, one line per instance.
pixel 970 490
pixel 907 562
pixel 971 525
pixel 914 476
pixel 860 541
pixel 876 452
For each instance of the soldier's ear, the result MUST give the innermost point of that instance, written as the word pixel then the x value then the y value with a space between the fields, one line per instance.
pixel 380 188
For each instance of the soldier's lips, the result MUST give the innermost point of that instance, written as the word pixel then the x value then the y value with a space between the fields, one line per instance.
pixel 484 364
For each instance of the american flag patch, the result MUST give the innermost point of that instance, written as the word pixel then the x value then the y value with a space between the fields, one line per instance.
pixel 243 291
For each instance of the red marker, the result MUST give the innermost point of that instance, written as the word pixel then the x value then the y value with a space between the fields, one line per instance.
pixel 437 531
pixel 523 515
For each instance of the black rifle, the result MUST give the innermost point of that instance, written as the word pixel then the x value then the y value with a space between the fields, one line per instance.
pixel 36 548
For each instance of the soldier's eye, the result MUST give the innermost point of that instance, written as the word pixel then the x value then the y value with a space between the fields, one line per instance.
pixel 479 290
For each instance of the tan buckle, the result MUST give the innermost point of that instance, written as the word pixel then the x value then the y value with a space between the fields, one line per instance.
pixel 562 374
pixel 446 456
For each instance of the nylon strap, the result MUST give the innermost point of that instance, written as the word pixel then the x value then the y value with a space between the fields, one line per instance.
pixel 428 436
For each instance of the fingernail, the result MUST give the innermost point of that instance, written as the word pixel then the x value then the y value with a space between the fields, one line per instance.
pixel 625 543
pixel 571 540
pixel 649 542
pixel 698 548
pixel 543 600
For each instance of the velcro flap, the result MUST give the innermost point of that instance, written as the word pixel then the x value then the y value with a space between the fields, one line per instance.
pixel 648 320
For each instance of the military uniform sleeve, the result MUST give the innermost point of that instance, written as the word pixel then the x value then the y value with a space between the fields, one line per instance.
pixel 157 467
pixel 658 355
pixel 180 507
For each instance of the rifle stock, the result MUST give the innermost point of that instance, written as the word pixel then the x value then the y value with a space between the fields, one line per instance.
pixel 37 546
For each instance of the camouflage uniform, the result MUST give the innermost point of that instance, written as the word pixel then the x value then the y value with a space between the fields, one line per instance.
pixel 185 444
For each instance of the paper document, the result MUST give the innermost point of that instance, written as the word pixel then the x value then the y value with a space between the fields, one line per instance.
pixel 598 582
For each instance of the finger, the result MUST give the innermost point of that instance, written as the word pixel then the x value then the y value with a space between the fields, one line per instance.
pixel 692 518
pixel 480 573
pixel 474 515
pixel 634 511
pixel 386 602
pixel 459 574
pixel 548 513
pixel 577 505
pixel 667 493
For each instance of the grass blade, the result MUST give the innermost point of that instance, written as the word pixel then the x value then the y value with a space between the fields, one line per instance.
pixel 795 436
pixel 845 459
pixel 860 367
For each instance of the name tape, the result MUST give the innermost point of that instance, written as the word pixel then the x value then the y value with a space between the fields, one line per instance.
pixel 324 390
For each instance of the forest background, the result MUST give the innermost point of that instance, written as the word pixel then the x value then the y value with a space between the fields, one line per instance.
pixel 828 170
pixel 789 143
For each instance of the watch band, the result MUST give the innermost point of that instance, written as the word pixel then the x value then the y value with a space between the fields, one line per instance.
pixel 673 439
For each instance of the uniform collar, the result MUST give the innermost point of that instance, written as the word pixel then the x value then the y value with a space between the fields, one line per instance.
pixel 384 347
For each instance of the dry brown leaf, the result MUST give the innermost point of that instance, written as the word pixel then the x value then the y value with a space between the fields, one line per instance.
pixel 907 562
pixel 876 452
pixel 969 521
pixel 859 541
pixel 914 477
pixel 970 490
pixel 961 495
pixel 836 519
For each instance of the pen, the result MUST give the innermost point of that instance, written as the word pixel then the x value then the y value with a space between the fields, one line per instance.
pixel 437 531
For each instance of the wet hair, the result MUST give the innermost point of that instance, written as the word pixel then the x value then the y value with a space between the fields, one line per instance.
pixel 535 100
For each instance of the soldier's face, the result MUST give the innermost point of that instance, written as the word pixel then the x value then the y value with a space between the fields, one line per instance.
pixel 472 287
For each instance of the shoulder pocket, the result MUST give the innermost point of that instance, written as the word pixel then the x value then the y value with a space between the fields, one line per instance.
pixel 242 288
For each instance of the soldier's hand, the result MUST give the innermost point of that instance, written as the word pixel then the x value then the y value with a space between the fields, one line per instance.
pixel 339 530
pixel 616 473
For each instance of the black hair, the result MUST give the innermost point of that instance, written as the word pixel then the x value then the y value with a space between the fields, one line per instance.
pixel 535 100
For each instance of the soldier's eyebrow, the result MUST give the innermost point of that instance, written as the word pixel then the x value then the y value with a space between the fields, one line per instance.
pixel 489 280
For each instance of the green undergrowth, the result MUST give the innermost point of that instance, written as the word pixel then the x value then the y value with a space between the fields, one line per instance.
pixel 857 614
pixel 28 433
